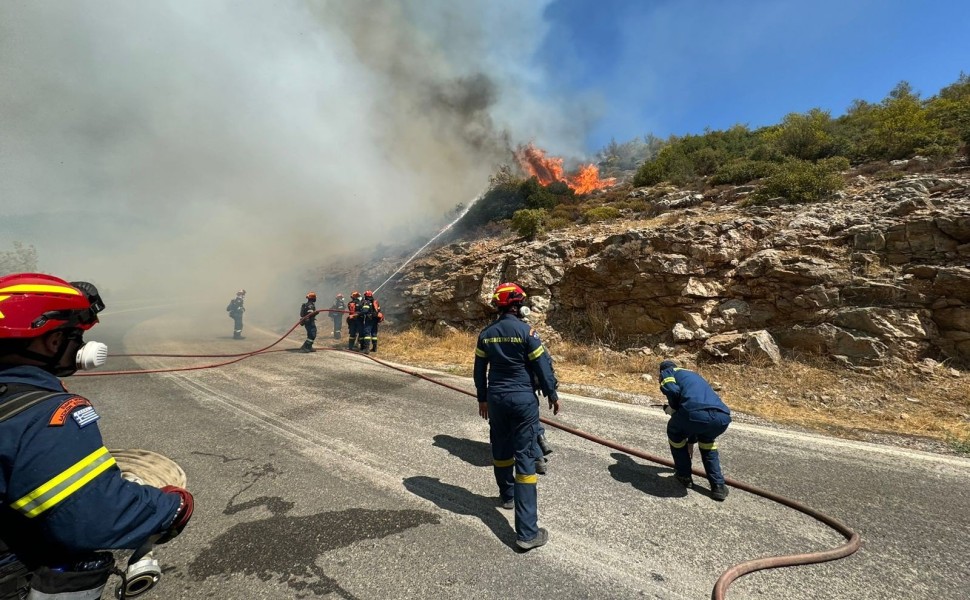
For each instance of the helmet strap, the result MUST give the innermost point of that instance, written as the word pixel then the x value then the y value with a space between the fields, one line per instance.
pixel 52 364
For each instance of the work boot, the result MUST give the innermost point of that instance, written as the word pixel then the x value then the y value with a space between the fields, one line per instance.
pixel 686 480
pixel 307 346
pixel 541 466
pixel 508 504
pixel 373 347
pixel 719 492
pixel 544 446
pixel 539 540
pixel 336 335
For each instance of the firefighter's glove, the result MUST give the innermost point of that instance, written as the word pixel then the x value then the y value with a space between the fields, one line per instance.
pixel 670 411
pixel 186 506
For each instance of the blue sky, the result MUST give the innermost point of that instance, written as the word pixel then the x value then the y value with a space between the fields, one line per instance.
pixel 675 67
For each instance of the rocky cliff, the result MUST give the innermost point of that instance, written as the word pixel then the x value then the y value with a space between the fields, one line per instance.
pixel 877 274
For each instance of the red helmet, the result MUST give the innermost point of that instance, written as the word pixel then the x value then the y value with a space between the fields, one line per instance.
pixel 32 304
pixel 368 294
pixel 311 295
pixel 340 296
pixel 356 294
pixel 507 294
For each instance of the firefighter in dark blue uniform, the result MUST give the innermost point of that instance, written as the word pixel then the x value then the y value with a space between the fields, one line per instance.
pixel 236 310
pixel 376 317
pixel 309 319
pixel 337 310
pixel 63 497
pixel 508 356
pixel 696 413
pixel 367 316
pixel 353 322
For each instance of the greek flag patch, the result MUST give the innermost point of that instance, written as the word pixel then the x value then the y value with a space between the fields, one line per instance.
pixel 85 416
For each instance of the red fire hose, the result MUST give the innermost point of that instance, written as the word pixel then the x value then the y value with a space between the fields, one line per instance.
pixel 853 541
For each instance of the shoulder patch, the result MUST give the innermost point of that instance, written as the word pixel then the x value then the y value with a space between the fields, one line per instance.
pixel 66 408
pixel 534 333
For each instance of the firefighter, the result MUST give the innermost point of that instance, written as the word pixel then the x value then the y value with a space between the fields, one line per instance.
pixel 367 316
pixel 507 357
pixel 696 412
pixel 308 317
pixel 376 318
pixel 63 500
pixel 337 310
pixel 236 310
pixel 353 323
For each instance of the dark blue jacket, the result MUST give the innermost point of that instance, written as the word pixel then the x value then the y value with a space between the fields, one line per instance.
pixel 62 494
pixel 508 356
pixel 686 390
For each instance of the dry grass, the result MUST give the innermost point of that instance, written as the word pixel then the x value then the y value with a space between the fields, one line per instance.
pixel 808 393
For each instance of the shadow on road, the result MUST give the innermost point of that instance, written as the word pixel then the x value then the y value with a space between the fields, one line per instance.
pixel 463 502
pixel 646 478
pixel 475 453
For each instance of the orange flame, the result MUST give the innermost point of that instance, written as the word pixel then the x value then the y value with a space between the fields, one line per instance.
pixel 549 170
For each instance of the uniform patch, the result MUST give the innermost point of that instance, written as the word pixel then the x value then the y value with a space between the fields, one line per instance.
pixel 85 416
pixel 67 407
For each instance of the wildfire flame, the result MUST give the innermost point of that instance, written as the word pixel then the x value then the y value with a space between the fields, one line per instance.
pixel 549 169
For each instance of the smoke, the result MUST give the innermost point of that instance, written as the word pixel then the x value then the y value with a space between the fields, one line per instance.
pixel 194 148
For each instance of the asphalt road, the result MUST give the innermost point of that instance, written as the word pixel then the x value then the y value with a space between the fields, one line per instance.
pixel 326 475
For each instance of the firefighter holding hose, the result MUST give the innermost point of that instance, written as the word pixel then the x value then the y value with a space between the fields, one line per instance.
pixel 64 500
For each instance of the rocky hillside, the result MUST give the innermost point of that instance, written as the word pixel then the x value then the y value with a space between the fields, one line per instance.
pixel 877 274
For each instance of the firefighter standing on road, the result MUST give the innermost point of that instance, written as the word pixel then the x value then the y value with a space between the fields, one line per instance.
pixel 507 356
pixel 353 323
pixel 367 316
pixel 338 317
pixel 62 497
pixel 309 319
pixel 236 310
pixel 376 317
pixel 696 412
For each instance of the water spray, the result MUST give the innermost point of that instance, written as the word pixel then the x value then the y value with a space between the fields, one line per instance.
pixel 437 235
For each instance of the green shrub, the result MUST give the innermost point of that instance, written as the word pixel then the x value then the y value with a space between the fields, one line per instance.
pixel 808 136
pixel 802 181
pixel 601 213
pixel 558 223
pixel 741 171
pixel 528 222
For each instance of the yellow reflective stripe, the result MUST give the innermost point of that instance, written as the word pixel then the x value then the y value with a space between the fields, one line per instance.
pixel 66 483
pixel 703 446
pixel 668 380
pixel 2 298
pixel 24 288
pixel 520 478
pixel 480 353
pixel 537 352
pixel 505 462
pixel 680 444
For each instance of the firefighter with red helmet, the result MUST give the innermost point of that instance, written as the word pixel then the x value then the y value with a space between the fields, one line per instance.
pixel 373 317
pixel 63 496
pixel 308 317
pixel 337 310
pixel 353 320
pixel 508 357
pixel 367 317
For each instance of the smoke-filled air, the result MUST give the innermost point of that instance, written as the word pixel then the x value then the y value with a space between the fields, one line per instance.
pixel 193 148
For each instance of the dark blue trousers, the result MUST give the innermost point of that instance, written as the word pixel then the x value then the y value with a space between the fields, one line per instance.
pixel 703 427
pixel 513 426
pixel 311 330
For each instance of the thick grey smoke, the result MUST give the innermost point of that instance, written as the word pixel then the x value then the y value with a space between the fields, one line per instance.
pixel 193 148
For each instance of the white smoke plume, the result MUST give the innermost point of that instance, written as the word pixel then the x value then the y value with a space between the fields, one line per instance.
pixel 191 148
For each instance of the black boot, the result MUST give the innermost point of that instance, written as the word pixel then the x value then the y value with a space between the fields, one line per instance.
pixel 336 335
pixel 307 346
pixel 373 347
pixel 544 446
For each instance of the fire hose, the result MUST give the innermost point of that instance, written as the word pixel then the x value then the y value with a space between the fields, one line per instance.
pixel 853 540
